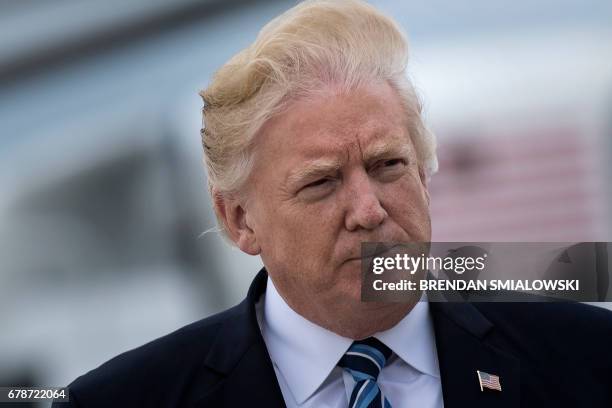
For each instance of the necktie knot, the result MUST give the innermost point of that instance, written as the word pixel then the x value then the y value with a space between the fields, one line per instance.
pixel 365 359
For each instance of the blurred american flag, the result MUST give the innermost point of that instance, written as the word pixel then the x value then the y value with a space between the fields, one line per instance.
pixel 537 185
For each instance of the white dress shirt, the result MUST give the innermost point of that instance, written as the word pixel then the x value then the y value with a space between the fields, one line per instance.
pixel 305 355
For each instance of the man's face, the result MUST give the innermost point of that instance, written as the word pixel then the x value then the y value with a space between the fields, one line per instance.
pixel 332 171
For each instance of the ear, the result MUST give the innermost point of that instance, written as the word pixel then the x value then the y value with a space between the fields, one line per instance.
pixel 423 178
pixel 232 213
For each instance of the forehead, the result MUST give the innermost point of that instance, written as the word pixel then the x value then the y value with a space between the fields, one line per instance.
pixel 328 123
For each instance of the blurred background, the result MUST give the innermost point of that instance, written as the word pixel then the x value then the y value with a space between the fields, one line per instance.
pixel 103 196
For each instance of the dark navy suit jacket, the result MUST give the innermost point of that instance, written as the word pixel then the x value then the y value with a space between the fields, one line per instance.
pixel 546 355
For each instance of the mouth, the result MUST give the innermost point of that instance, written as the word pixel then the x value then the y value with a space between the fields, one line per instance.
pixel 380 250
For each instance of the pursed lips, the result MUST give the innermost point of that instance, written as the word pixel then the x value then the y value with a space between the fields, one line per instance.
pixel 375 254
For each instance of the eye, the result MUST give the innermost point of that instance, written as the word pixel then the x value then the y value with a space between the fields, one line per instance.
pixel 318 189
pixel 317 183
pixel 392 162
pixel 389 164
pixel 390 169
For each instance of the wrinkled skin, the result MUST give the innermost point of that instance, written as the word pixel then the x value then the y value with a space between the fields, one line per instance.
pixel 331 171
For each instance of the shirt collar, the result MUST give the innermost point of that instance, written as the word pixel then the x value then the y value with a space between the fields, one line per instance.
pixel 305 353
pixel 413 339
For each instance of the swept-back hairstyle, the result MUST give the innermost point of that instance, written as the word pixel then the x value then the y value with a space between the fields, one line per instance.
pixel 314 45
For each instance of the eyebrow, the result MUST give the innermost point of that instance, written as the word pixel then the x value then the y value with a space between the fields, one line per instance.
pixel 377 151
pixel 320 167
pixel 314 168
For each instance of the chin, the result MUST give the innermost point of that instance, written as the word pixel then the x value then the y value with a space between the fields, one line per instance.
pixel 350 274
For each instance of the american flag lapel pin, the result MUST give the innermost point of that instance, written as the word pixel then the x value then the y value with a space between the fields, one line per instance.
pixel 489 381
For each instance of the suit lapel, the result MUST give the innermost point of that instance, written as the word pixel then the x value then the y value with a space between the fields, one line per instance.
pixel 464 341
pixel 464 344
pixel 240 357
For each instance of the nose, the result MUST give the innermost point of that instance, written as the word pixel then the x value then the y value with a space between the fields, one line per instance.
pixel 364 209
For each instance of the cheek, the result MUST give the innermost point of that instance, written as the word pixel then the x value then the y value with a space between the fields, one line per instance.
pixel 315 234
pixel 301 254
pixel 406 204
pixel 300 233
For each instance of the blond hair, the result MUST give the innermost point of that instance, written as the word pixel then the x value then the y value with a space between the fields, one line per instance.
pixel 315 44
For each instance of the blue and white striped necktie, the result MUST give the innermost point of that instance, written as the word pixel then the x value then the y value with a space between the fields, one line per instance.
pixel 364 360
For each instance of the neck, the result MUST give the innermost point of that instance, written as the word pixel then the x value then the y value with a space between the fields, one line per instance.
pixel 364 321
